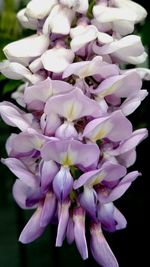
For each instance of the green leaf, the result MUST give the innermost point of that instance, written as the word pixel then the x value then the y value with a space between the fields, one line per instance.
pixel 2 78
pixel 11 86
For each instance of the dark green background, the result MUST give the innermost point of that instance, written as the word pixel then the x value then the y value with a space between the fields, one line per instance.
pixel 131 246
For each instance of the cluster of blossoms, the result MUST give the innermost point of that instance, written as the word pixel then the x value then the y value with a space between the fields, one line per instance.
pixel 75 141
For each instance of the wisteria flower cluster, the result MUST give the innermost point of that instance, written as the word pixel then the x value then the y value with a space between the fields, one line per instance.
pixel 75 141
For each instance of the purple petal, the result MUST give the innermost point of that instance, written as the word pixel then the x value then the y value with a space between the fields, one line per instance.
pixel 48 210
pixel 71 152
pixel 106 216
pixel 112 171
pixel 107 172
pixel 100 248
pixel 32 230
pixel 116 127
pixel 21 192
pixel 120 85
pixel 72 106
pixel 13 116
pixel 48 170
pixel 120 219
pixel 79 232
pixel 70 231
pixel 63 183
pixel 88 201
pixel 21 171
pixel 63 222
pixel 106 196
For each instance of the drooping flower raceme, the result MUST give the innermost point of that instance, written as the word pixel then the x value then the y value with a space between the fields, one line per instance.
pixel 75 141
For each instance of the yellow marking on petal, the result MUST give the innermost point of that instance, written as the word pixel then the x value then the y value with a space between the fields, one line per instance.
pixel 85 72
pixel 111 89
pixel 100 134
pixel 98 179
pixel 67 161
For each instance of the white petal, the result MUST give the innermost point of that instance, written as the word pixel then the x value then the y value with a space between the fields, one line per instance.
pixel 57 59
pixel 36 65
pixel 24 50
pixel 59 20
pixel 109 14
pixel 16 71
pixel 39 9
pixel 25 21
pixel 138 9
pixel 104 38
pixel 82 36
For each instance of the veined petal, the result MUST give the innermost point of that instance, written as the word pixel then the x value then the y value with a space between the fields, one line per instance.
pixel 79 232
pixel 100 248
pixel 32 230
pixel 57 59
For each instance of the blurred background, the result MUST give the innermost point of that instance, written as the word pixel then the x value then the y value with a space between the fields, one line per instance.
pixel 131 246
